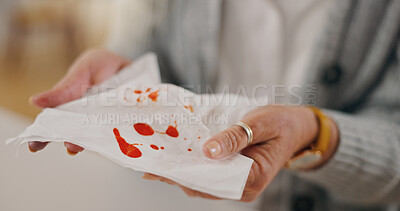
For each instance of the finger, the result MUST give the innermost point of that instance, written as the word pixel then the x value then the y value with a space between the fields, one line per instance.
pixel 68 89
pixel 73 149
pixel 264 124
pixel 148 176
pixel 226 143
pixel 194 193
pixel 188 191
pixel 35 146
pixel 268 158
pixel 154 177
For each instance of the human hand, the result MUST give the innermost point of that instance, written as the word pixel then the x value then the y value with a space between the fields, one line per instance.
pixel 91 68
pixel 279 133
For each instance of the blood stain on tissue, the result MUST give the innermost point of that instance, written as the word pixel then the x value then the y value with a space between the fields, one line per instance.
pixel 189 150
pixel 148 90
pixel 128 149
pixel 138 91
pixel 154 95
pixel 143 129
pixel 161 147
pixel 146 130
pixel 190 108
pixel 171 131
pixel 154 147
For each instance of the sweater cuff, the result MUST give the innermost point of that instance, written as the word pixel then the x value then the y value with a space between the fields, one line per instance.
pixel 366 165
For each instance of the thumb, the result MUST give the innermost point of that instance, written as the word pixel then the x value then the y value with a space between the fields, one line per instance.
pixel 265 124
pixel 226 143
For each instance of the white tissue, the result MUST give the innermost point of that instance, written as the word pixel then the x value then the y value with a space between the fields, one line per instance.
pixel 90 121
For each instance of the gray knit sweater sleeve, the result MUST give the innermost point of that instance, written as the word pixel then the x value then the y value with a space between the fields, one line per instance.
pixel 366 166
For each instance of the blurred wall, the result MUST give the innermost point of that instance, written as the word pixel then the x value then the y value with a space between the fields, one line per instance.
pixel 38 41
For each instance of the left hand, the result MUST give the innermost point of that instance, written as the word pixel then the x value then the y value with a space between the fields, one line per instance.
pixel 279 132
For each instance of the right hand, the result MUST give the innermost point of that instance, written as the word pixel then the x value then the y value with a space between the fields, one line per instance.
pixel 91 68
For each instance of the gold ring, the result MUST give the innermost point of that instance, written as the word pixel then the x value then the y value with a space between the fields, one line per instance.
pixel 248 131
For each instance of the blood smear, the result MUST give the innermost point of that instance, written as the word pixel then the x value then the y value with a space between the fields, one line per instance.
pixel 154 147
pixel 128 149
pixel 161 147
pixel 154 95
pixel 148 90
pixel 143 129
pixel 172 131
pixel 190 108
pixel 138 91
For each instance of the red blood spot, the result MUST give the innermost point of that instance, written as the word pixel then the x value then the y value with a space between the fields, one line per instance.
pixel 172 131
pixel 143 129
pixel 189 150
pixel 138 100
pixel 184 138
pixel 154 147
pixel 128 149
pixel 138 91
pixel 199 137
pixel 148 90
pixel 154 95
pixel 190 108
pixel 161 147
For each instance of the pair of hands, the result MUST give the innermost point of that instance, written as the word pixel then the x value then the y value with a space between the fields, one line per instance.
pixel 279 131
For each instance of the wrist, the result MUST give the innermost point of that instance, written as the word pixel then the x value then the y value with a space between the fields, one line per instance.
pixel 318 140
pixel 309 128
pixel 332 146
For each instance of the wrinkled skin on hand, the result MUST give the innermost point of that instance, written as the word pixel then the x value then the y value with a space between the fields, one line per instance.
pixel 279 132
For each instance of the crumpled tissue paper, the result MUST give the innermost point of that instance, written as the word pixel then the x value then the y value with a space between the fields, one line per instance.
pixel 140 123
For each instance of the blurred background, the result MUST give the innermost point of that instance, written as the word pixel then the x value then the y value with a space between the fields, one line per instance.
pixel 38 41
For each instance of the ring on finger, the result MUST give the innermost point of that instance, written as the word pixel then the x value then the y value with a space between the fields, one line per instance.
pixel 248 131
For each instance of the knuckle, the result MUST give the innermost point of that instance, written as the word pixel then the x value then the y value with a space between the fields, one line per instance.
pixel 231 140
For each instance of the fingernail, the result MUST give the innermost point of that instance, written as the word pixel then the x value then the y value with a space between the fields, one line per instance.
pixel 32 99
pixel 214 148
pixel 30 149
pixel 71 153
